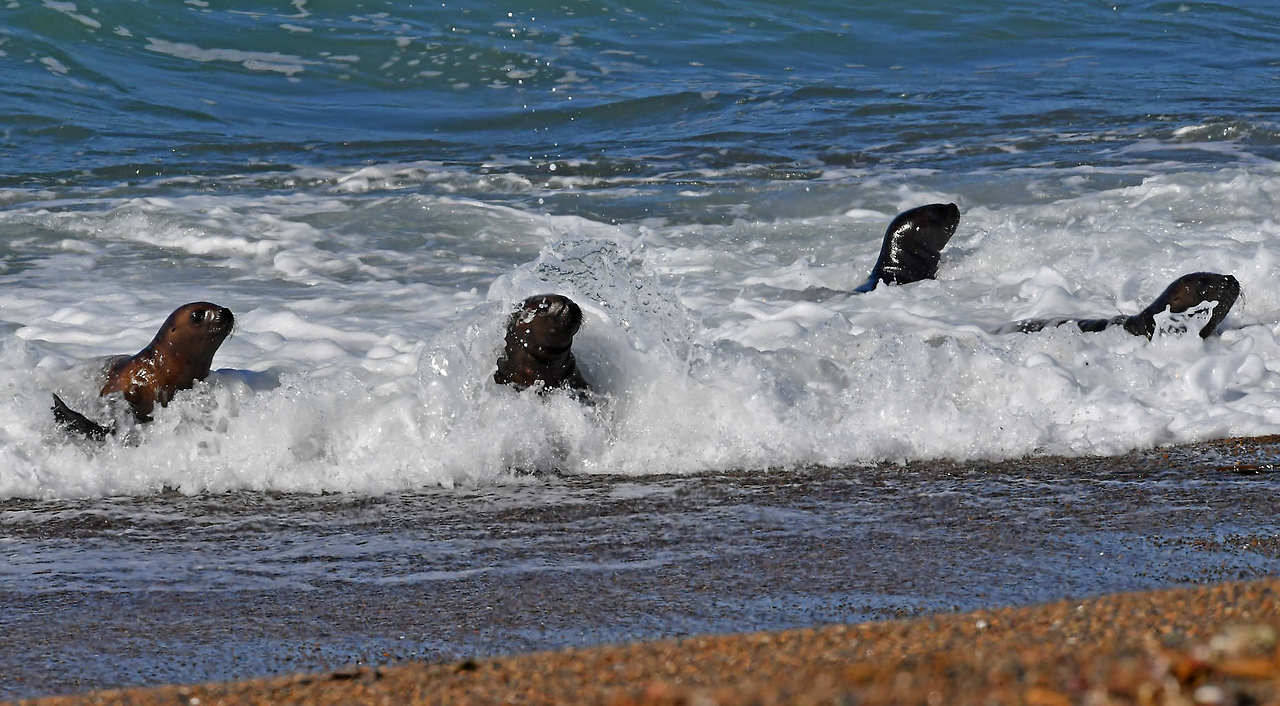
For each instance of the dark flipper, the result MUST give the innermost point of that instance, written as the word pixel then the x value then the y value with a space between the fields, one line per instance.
pixel 1086 325
pixel 73 421
pixel 1096 325
pixel 1188 293
pixel 913 244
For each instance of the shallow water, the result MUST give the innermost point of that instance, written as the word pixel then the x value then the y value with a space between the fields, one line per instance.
pixel 372 187
pixel 175 588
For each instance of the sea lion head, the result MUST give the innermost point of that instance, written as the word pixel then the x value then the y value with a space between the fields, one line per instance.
pixel 195 329
pixel 544 325
pixel 913 245
pixel 539 344
pixel 1186 293
pixel 183 348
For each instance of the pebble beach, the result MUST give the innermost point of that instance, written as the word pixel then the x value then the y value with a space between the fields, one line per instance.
pixel 1204 645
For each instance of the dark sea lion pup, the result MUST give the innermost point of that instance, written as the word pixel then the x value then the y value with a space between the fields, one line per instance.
pixel 913 245
pixel 178 356
pixel 1188 293
pixel 538 346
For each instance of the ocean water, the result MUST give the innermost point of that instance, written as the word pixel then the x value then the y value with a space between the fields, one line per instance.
pixel 371 186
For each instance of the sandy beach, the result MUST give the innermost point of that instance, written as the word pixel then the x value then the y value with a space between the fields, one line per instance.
pixel 1203 645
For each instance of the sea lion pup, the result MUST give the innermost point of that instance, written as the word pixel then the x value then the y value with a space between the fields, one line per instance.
pixel 178 356
pixel 539 337
pixel 1192 292
pixel 913 244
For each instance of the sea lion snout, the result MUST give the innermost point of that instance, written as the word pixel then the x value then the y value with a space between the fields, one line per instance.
pixel 554 308
pixel 550 319
pixel 557 306
pixel 226 319
pixel 218 319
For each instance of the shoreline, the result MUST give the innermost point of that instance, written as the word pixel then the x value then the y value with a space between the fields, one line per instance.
pixel 1213 644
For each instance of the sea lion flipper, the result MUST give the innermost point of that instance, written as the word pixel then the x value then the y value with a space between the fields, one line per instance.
pixel 1096 325
pixel 1086 325
pixel 913 245
pixel 1027 326
pixel 72 420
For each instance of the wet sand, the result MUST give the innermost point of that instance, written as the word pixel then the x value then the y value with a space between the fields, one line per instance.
pixel 1204 645
pixel 139 592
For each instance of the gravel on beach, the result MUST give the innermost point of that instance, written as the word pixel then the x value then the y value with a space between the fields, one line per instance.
pixel 1203 645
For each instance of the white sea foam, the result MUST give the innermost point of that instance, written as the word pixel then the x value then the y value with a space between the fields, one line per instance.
pixel 54 65
pixel 278 62
pixel 69 9
pixel 369 319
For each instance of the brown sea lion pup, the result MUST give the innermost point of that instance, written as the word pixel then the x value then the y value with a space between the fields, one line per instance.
pixel 178 356
pixel 538 346
pixel 1191 292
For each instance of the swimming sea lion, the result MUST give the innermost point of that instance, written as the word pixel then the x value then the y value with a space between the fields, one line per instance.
pixel 1192 292
pixel 913 245
pixel 539 337
pixel 178 356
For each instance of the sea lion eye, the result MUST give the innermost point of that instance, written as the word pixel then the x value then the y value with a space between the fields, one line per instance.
pixel 198 315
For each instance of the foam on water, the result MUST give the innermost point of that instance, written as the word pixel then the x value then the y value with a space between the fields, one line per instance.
pixel 369 320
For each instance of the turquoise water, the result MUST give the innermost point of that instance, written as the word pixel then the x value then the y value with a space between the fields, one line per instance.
pixel 107 92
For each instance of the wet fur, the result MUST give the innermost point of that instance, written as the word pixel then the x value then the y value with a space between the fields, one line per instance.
pixel 180 354
pixel 538 346
pixel 1183 294
pixel 913 245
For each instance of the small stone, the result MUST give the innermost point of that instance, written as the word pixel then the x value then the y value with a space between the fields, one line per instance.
pixel 1209 695
pixel 1039 696
pixel 1242 640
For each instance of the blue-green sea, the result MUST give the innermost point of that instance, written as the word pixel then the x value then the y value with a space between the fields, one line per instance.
pixel 372 186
